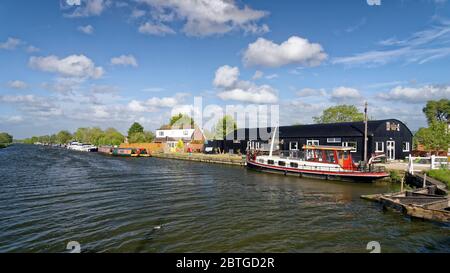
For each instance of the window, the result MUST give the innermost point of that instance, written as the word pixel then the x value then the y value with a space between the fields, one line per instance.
pixel 405 146
pixel 352 144
pixel 293 146
pixel 261 161
pixel 330 156
pixel 270 162
pixel 161 133
pixel 281 163
pixel 185 132
pixel 334 140
pixel 379 146
pixel 312 142
pixel 294 165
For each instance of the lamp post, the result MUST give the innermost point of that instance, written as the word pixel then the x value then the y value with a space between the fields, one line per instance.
pixel 365 132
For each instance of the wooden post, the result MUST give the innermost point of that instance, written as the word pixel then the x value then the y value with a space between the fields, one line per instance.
pixel 425 180
pixel 365 132
pixel 401 186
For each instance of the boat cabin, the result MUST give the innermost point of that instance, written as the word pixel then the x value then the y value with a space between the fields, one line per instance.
pixel 330 154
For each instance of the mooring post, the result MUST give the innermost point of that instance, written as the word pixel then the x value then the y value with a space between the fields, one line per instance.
pixel 411 164
pixel 401 187
pixel 425 180
pixel 433 159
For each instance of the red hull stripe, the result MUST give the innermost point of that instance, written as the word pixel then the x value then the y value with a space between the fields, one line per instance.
pixel 351 174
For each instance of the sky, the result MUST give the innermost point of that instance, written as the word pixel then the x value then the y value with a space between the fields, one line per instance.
pixel 66 64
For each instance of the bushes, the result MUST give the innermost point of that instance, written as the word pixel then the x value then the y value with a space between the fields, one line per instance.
pixel 441 175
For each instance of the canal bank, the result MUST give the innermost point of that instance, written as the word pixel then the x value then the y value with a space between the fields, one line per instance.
pixel 226 159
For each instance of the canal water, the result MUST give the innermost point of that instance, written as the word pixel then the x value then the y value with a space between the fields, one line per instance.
pixel 50 196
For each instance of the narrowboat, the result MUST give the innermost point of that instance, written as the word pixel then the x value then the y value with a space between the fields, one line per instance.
pixel 130 152
pixel 324 162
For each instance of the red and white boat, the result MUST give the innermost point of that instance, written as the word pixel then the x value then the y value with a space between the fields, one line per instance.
pixel 325 162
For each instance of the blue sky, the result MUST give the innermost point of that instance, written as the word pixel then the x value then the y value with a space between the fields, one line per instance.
pixel 72 63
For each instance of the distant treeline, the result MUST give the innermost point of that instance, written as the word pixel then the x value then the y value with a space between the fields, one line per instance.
pixel 93 135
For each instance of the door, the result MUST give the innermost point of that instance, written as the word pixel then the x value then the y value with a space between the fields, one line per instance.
pixel 390 150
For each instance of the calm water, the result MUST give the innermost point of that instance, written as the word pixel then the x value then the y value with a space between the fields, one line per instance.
pixel 51 196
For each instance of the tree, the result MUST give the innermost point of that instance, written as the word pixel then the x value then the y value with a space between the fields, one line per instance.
pixel 340 113
pixel 437 110
pixel 6 138
pixel 111 137
pixel 63 137
pixel 135 128
pixel 435 138
pixel 145 137
pixel 180 144
pixel 181 121
pixel 225 126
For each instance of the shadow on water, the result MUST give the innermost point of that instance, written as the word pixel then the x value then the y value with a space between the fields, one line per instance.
pixel 52 196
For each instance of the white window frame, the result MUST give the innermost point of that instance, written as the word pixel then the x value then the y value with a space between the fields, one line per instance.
pixel 334 140
pixel 312 142
pixel 296 146
pixel 376 146
pixel 408 147
pixel 161 133
pixel 355 149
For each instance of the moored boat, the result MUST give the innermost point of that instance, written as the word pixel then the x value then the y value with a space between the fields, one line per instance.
pixel 324 162
pixel 130 152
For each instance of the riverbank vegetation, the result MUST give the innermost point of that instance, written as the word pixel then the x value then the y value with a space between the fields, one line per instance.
pixel 5 140
pixel 442 175
pixel 340 113
pixel 435 137
pixel 136 134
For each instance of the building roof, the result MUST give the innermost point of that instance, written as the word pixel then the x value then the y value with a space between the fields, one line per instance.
pixel 343 129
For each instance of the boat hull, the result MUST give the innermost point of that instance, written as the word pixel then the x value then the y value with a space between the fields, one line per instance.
pixel 324 175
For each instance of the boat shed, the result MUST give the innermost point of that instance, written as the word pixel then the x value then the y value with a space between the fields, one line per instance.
pixel 390 137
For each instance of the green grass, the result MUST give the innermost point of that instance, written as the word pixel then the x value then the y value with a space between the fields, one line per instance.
pixel 441 175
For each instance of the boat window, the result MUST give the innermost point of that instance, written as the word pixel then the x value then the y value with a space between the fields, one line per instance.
pixel 261 161
pixel 294 165
pixel 270 162
pixel 281 163
pixel 330 156
pixel 345 155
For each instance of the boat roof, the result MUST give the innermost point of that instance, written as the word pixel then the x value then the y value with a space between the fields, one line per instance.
pixel 326 148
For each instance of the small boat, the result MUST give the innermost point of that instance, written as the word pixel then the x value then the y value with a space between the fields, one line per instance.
pixel 324 162
pixel 131 152
pixel 105 150
pixel 421 203
pixel 82 147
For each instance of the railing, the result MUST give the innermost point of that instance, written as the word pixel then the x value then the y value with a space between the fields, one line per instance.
pixel 433 162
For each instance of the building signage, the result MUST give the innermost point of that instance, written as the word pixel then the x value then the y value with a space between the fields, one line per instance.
pixel 392 126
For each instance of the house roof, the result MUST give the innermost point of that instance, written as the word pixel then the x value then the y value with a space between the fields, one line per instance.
pixel 343 129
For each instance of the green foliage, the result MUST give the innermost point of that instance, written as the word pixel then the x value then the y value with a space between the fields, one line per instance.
pixel 95 136
pixel 180 144
pixel 145 137
pixel 340 113
pixel 395 176
pixel 225 126
pixel 437 111
pixel 441 175
pixel 181 121
pixel 63 137
pixel 435 138
pixel 6 138
pixel 135 128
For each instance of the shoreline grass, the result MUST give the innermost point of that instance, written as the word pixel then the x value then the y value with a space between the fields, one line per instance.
pixel 442 175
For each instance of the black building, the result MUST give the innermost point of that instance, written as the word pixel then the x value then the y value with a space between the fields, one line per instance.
pixel 391 137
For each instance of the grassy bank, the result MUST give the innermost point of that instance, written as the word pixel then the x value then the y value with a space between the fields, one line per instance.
pixel 3 145
pixel 441 175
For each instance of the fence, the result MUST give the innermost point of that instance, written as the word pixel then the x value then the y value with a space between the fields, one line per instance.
pixel 432 162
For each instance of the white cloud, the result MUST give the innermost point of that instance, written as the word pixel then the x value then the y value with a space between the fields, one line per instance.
pixel 345 94
pixel 231 88
pixel 32 49
pixel 272 76
pixel 137 13
pixel 18 84
pixel 88 29
pixel 10 44
pixel 418 94
pixel 155 103
pixel 295 50
pixel 125 60
pixel 207 17
pixel 310 92
pixel 88 8
pixel 155 29
pixel 78 66
pixel 258 75
pixel 421 47
pixel 226 76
